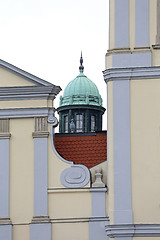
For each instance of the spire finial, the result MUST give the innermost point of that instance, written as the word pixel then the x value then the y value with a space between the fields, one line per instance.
pixel 81 68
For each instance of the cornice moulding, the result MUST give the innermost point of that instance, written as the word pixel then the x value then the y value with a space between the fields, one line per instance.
pixel 133 230
pixel 40 134
pixel 127 50
pixel 92 107
pixel 33 92
pixel 25 112
pixel 135 73
pixel 5 135
pixel 5 221
pixel 40 219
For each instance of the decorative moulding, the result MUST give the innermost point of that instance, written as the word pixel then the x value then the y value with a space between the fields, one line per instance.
pixel 128 50
pixel 40 134
pixel 133 230
pixel 98 178
pixel 40 219
pixel 116 74
pixel 77 175
pixel 24 112
pixel 25 93
pixel 54 123
pixel 40 124
pixel 118 50
pixel 4 129
pixel 157 46
pixel 5 135
pixel 5 221
pixel 40 127
pixel 4 125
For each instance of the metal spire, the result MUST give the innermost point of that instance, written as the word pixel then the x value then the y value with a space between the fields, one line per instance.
pixel 81 68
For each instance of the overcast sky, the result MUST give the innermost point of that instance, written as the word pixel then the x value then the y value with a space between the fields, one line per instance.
pixel 45 38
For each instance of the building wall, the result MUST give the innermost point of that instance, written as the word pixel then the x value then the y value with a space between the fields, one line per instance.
pixel 43 196
pixel 69 210
pixel 128 12
pixel 145 152
pixel 21 170
pixel 133 81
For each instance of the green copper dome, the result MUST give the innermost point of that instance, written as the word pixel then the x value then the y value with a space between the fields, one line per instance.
pixel 81 90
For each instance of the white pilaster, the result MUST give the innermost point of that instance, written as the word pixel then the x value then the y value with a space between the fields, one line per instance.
pixel 121 146
pixel 40 167
pixel 121 23
pixel 141 23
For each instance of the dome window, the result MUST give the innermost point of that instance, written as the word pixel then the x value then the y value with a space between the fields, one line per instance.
pixel 79 123
pixel 93 123
pixel 66 124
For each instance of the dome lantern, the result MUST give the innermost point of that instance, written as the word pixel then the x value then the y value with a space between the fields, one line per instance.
pixel 80 104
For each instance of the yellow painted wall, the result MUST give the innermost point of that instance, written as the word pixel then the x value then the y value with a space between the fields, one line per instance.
pixel 21 232
pixel 156 57
pixel 9 79
pixel 71 204
pixel 132 24
pixel 108 61
pixel 62 202
pixel 37 103
pixel 55 166
pixel 145 150
pixel 21 170
pixel 70 231
pixel 110 164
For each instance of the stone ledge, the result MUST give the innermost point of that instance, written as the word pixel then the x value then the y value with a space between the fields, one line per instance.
pixel 133 230
pixel 157 46
pixel 129 73
pixel 40 134
pixel 40 219
pixel 5 135
pixel 5 221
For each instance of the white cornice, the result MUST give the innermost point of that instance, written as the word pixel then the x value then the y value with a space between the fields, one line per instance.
pixel 25 112
pixel 33 92
pixel 115 74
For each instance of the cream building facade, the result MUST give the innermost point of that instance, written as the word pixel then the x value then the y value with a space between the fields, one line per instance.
pixel 133 81
pixel 42 195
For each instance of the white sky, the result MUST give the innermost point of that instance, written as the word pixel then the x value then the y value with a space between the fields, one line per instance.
pixel 45 38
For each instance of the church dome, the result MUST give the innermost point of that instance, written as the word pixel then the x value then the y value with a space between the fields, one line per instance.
pixel 80 107
pixel 81 90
